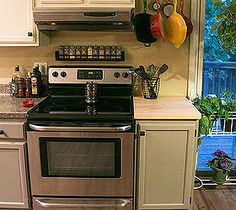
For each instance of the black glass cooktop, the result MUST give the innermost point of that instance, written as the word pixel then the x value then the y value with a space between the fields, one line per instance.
pixel 75 108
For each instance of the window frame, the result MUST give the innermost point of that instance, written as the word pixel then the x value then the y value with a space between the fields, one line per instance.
pixel 196 49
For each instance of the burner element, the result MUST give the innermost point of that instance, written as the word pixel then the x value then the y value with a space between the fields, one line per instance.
pixel 91 109
pixel 90 92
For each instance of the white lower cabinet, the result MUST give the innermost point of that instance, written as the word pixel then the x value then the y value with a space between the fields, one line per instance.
pixel 13 182
pixel 166 160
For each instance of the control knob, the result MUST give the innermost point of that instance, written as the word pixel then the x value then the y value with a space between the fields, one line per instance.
pixel 125 74
pixel 55 74
pixel 63 74
pixel 117 74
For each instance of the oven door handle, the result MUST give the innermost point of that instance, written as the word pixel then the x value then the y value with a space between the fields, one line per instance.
pixel 82 203
pixel 91 129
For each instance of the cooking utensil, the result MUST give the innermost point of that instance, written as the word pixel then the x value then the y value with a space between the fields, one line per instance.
pixel 155 25
pixel 188 22
pixel 167 8
pixel 162 69
pixel 152 70
pixel 175 28
pixel 141 72
pixel 142 27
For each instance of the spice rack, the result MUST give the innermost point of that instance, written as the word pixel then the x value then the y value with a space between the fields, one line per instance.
pixel 90 53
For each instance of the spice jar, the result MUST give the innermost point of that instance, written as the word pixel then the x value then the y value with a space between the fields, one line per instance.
pixel 101 53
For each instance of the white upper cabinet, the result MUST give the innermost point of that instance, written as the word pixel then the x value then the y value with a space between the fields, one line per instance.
pixel 16 23
pixel 84 3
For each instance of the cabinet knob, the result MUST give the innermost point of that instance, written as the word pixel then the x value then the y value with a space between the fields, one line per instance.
pixel 142 133
pixel 30 34
pixel 2 134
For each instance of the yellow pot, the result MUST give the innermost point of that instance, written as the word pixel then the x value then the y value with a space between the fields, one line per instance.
pixel 175 28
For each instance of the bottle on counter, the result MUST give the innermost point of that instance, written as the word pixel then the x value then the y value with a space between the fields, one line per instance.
pixel 34 85
pixel 28 92
pixel 15 81
pixel 36 82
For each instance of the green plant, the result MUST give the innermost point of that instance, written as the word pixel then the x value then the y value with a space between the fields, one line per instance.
pixel 221 162
pixel 211 109
pixel 226 25
pixel 229 101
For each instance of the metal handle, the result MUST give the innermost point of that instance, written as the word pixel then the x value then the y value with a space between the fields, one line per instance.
pixel 2 134
pixel 82 203
pixel 100 14
pixel 65 128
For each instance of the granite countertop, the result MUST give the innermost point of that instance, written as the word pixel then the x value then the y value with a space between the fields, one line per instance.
pixel 11 107
pixel 165 108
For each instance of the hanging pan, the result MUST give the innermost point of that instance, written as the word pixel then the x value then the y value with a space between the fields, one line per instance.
pixel 142 27
pixel 188 22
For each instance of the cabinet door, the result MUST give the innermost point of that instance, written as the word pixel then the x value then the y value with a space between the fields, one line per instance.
pixel 16 23
pixel 13 185
pixel 166 164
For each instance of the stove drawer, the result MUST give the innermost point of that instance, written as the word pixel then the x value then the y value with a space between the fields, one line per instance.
pixel 12 129
pixel 47 203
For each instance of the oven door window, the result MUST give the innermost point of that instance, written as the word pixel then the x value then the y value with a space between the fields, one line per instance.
pixel 62 157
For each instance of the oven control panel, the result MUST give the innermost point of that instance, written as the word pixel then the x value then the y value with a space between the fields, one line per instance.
pixel 90 74
pixel 83 74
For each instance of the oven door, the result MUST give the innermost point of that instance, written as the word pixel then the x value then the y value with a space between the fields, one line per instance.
pixel 83 164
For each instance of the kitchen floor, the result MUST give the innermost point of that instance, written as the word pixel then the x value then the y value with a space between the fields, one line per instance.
pixel 221 198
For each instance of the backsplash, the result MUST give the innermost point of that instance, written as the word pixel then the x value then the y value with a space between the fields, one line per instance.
pixel 173 82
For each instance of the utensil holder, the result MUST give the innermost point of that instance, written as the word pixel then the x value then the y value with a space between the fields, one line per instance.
pixel 150 88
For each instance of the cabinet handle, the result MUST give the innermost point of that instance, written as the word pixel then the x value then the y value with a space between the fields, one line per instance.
pixel 30 34
pixel 2 134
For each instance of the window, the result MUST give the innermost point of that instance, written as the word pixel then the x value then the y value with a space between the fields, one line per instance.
pixel 219 73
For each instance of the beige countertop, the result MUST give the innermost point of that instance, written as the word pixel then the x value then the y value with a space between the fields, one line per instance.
pixel 164 108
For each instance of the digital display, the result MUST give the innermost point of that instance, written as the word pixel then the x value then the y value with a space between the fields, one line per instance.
pixel 90 74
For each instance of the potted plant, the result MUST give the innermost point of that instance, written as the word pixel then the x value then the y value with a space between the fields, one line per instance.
pixel 229 104
pixel 221 164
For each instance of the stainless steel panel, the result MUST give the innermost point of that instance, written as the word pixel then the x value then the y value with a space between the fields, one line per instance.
pixel 71 78
pixel 41 203
pixel 84 20
pixel 92 129
pixel 59 186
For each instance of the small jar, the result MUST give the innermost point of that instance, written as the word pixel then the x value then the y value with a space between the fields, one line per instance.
pixel 84 52
pixel 113 50
pixel 90 52
pixel 108 52
pixel 119 52
pixel 101 53
pixel 61 52
pixel 95 52
pixel 67 52
pixel 78 52
pixel 72 52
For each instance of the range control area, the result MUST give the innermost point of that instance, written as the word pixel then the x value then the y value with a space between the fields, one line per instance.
pixel 72 75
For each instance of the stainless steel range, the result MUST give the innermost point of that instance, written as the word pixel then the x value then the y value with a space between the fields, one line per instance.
pixel 81 140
